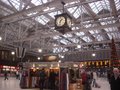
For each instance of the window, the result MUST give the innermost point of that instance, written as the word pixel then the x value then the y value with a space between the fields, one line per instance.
pixel 80 33
pixel 39 2
pixel 117 4
pixel 52 14
pixel 87 39
pixel 100 5
pixel 42 19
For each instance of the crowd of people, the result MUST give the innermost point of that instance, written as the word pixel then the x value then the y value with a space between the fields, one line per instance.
pixel 89 79
pixel 50 80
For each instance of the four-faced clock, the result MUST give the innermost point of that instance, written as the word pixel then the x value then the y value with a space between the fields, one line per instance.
pixel 63 23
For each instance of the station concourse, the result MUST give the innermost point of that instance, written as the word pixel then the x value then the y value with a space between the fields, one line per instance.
pixel 59 44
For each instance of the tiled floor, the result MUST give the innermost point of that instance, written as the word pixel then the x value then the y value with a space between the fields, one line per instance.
pixel 13 84
pixel 104 85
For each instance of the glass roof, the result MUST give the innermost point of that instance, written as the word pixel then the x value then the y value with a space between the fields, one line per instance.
pixel 74 40
pixel 75 28
pixel 94 31
pixel 98 37
pixel 100 5
pixel 39 2
pixel 87 39
pixel 58 50
pixel 117 4
pixel 15 3
pixel 114 35
pixel 64 41
pixel 52 14
pixel 80 33
pixel 42 19
pixel 56 37
pixel 67 35
pixel 6 1
pixel 76 11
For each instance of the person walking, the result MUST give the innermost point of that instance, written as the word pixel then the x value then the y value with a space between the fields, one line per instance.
pixel 94 79
pixel 6 76
pixel 115 80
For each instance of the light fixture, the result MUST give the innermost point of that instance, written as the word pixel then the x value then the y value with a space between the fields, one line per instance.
pixel 38 58
pixel 93 54
pixel 39 50
pixel 13 53
pixel 78 46
pixel 62 56
pixel 0 38
pixel 59 61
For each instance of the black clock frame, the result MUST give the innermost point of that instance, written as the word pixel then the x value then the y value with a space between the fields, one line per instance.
pixel 65 28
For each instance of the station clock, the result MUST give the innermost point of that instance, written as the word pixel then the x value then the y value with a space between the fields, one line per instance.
pixel 63 23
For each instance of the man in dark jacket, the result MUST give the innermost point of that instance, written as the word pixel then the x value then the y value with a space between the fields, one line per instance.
pixel 115 80
pixel 52 78
pixel 42 78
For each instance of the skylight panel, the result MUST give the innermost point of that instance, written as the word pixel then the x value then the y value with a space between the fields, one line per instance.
pixel 98 37
pixel 44 1
pixel 56 37
pixel 94 31
pixel 80 33
pixel 105 4
pixel 75 40
pixel 52 14
pixel 71 3
pixel 58 50
pixel 65 49
pixel 88 25
pixel 39 2
pixel 99 5
pixel 87 39
pixel 117 4
pixel 6 1
pixel 5 11
pixel 67 35
pixel 114 35
pixel 108 20
pixel 36 2
pixel 16 3
pixel 48 9
pixel 30 14
pixel 111 29
pixel 42 19
pixel 75 28
pixel 64 41
pixel 79 12
pixel 71 10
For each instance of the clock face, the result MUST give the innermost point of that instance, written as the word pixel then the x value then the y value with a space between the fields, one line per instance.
pixel 69 22
pixel 60 21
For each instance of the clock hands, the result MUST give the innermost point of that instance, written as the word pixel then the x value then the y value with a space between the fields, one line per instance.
pixel 60 21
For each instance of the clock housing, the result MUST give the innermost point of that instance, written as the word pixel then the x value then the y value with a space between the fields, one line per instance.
pixel 63 23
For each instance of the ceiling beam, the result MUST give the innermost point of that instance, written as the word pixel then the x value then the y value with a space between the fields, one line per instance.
pixel 39 8
pixel 82 44
pixel 113 8
pixel 94 16
pixel 34 9
pixel 79 30
pixel 7 6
